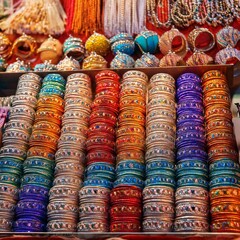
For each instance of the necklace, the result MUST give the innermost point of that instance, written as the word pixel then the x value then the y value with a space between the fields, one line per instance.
pixel 211 13
pixel 199 11
pixel 159 14
pixel 182 15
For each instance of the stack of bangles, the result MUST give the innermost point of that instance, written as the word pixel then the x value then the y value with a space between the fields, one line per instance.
pixel 126 196
pixel 191 169
pixel 63 204
pixel 158 194
pixel 31 210
pixel 100 144
pixel 15 145
pixel 222 152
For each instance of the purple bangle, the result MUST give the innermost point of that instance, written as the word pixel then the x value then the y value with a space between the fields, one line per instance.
pixel 33 192
pixel 29 225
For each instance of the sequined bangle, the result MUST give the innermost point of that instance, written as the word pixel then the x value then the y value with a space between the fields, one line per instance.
pixel 196 38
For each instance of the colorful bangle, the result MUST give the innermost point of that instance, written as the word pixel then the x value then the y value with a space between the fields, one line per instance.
pixel 197 37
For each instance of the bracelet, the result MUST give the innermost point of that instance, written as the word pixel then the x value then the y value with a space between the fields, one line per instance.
pixel 201 39
pixel 199 58
pixel 171 59
pixel 166 43
pixel 24 47
pixel 227 54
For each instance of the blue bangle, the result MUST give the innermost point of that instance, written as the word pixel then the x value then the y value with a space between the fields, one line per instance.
pixel 162 172
pixel 95 167
pixel 159 164
pixel 147 41
pixel 224 164
pixel 225 180
pixel 10 178
pixel 197 173
pixel 54 77
pixel 98 182
pixel 192 180
pixel 102 175
pixel 40 163
pixel 11 162
pixel 224 172
pixel 51 91
pixel 138 175
pixel 123 46
pixel 191 164
pixel 130 165
pixel 129 181
pixel 121 36
pixel 36 179
pixel 160 181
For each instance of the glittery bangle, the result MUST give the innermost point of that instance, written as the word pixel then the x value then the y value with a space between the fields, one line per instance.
pixel 28 225
pixel 129 181
pixel 195 34
pixel 156 209
pixel 225 225
pixel 5 225
pixel 92 226
pixel 93 191
pixel 59 207
pixel 68 181
pixel 125 227
pixel 192 192
pixel 192 180
pixel 57 226
pixel 160 181
pixel 130 211
pixel 10 179
pixel 165 42
pixel 9 191
pixel 33 192
pixel 98 182
pixel 36 179
pixel 224 192
pixel 225 180
pixel 158 192
pixel 191 225
pixel 191 209
pixel 15 151
pixel 157 225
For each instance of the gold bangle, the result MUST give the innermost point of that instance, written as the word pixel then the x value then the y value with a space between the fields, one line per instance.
pixel 198 33
pixel 24 47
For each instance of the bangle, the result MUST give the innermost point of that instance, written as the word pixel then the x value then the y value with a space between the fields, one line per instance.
pixel 73 47
pixel 166 43
pixel 24 47
pixel 226 55
pixel 50 50
pixel 147 41
pixel 201 39
pixel 228 36
pixel 171 59
pixel 94 61
pixel 68 64
pixel 199 58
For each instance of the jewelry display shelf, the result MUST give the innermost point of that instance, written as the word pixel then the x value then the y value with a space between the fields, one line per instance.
pixel 8 85
pixel 118 236
pixel 8 81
